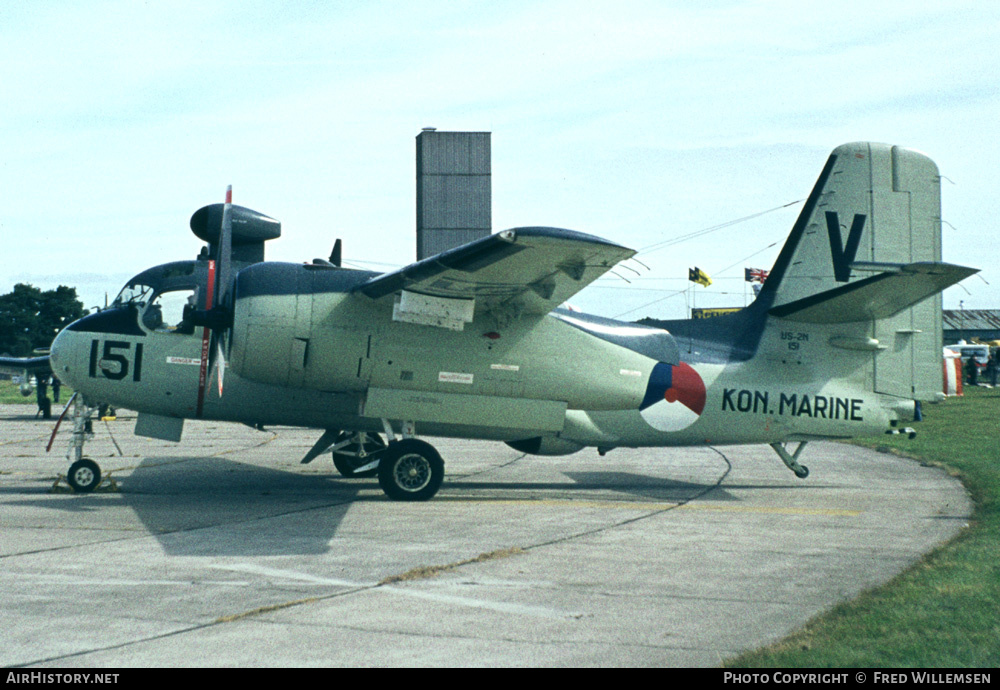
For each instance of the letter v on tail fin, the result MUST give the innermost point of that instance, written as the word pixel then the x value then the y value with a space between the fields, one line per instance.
pixel 843 256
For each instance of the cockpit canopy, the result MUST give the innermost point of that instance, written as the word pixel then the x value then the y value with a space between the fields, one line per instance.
pixel 160 294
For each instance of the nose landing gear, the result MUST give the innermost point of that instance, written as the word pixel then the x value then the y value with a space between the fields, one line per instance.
pixel 84 475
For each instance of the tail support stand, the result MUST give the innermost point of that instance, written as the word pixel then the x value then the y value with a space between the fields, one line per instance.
pixel 792 460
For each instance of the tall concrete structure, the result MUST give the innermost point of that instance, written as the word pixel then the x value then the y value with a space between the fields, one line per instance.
pixel 453 189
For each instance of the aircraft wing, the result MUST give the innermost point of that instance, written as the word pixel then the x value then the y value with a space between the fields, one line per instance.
pixel 877 297
pixel 16 366
pixel 530 270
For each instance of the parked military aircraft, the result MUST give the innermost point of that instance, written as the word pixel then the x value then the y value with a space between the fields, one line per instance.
pixel 23 368
pixel 843 340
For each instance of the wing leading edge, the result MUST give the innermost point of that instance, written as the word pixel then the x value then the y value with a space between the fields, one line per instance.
pixel 18 365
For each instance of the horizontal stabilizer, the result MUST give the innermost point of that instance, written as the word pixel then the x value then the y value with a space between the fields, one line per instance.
pixel 877 297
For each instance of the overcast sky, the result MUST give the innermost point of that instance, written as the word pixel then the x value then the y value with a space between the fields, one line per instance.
pixel 635 121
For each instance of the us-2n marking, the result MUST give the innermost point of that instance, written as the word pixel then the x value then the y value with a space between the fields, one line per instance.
pixel 794 339
pixel 115 360
pixel 793 404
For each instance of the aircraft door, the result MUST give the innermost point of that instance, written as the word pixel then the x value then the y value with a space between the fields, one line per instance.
pixel 340 359
pixel 299 353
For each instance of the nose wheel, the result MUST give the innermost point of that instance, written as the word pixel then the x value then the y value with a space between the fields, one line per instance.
pixel 84 475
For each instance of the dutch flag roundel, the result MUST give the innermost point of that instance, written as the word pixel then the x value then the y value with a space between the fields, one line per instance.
pixel 675 397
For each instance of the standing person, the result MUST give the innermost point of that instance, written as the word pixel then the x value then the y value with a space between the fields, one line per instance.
pixel 972 371
pixel 55 388
pixel 991 369
pixel 42 390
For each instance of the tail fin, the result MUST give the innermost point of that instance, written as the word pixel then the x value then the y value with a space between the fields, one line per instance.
pixel 874 207
pixel 867 249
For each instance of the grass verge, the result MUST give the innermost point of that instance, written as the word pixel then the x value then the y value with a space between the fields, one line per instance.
pixel 944 611
pixel 10 394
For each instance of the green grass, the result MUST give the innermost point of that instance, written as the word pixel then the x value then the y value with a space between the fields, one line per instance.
pixel 10 394
pixel 945 611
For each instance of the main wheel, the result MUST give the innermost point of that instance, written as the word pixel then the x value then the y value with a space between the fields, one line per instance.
pixel 84 476
pixel 410 470
pixel 349 458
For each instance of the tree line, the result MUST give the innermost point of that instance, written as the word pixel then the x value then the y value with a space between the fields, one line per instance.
pixel 31 318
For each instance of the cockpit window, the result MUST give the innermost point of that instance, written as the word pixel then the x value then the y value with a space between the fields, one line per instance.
pixel 137 294
pixel 166 311
pixel 158 296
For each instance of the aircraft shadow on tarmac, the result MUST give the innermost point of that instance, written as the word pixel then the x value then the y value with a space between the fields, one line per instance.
pixel 220 507
pixel 206 506
pixel 601 484
pixel 210 506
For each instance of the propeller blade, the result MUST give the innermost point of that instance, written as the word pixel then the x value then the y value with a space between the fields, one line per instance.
pixel 225 249
pixel 218 364
pixel 59 421
pixel 221 367
pixel 217 287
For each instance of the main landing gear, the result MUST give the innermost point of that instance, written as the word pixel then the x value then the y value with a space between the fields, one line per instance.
pixel 357 454
pixel 408 469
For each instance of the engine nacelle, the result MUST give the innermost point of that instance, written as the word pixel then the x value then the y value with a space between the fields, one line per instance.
pixel 546 445
pixel 250 231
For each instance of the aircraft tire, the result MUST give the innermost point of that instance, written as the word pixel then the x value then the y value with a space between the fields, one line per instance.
pixel 410 470
pixel 84 476
pixel 346 462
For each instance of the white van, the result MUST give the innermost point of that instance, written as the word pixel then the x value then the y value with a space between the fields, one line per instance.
pixel 966 350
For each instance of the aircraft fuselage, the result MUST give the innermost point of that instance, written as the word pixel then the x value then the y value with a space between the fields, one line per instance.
pixel 322 358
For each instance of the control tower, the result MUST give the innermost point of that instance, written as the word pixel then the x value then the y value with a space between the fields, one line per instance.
pixel 453 189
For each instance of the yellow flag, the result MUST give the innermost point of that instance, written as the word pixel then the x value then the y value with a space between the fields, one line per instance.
pixel 696 275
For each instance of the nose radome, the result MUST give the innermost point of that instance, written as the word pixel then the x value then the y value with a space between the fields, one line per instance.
pixel 60 358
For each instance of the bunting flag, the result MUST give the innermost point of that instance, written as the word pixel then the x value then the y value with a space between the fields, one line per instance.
pixel 754 275
pixel 696 275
